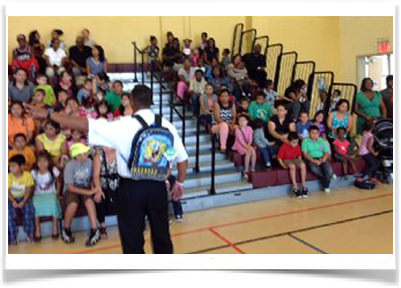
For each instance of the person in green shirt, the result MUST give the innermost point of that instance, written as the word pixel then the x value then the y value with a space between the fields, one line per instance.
pixel 260 108
pixel 114 97
pixel 50 98
pixel 369 105
pixel 316 152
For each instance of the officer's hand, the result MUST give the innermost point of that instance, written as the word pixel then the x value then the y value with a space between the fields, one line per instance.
pixel 177 191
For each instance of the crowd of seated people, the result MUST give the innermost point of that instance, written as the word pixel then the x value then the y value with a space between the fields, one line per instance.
pixel 52 167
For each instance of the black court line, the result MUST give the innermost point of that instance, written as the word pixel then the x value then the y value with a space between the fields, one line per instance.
pixel 292 232
pixel 307 244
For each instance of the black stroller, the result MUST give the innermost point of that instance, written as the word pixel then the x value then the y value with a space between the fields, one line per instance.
pixel 383 143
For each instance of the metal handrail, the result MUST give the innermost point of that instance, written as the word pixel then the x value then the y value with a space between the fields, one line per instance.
pixel 253 30
pixel 173 106
pixel 235 38
pixel 141 52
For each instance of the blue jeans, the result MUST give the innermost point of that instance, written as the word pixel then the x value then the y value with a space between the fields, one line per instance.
pixel 267 153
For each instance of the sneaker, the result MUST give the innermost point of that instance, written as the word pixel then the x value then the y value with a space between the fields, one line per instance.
pixel 346 177
pixel 327 190
pixel 94 237
pixel 334 177
pixel 29 239
pixel 66 235
pixel 305 192
pixel 245 175
pixel 179 218
pixel 268 165
pixel 170 220
pixel 297 193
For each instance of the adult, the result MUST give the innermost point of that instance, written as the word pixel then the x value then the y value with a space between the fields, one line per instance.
pixel 78 55
pixel 369 105
pixel 135 198
pixel 217 79
pixel 56 34
pixel 279 126
pixel 202 46
pixel 184 79
pixel 237 72
pixel 87 38
pixel 105 178
pixel 20 89
pixel 55 59
pixel 255 63
pixel 113 98
pixel 170 52
pixel 211 51
pixel 300 101
pixel 24 58
pixel 37 49
pixel 224 118
pixel 66 83
pixel 97 62
pixel 387 95
pixel 340 117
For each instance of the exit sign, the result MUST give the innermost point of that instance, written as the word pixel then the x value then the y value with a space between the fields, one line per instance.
pixel 383 45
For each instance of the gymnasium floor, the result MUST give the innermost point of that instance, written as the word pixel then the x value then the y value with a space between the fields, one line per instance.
pixel 345 221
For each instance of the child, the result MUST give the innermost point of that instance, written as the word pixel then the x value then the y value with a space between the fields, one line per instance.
pixel 262 143
pixel 153 51
pixel 196 90
pixel 47 193
pixel 38 101
pixel 177 207
pixel 206 105
pixel 259 109
pixel 226 58
pixel 336 97
pixel 341 149
pixel 316 152
pixel 369 154
pixel 62 97
pixel 303 125
pixel 21 148
pixel 318 121
pixel 324 103
pixel 243 144
pixel 271 95
pixel 290 157
pixel 102 110
pixel 20 186
pixel 195 58
pixel 78 180
pixel 76 137
pixel 85 92
pixel 50 99
pixel 243 106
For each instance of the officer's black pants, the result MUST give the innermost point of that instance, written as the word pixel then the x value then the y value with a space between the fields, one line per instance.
pixel 135 200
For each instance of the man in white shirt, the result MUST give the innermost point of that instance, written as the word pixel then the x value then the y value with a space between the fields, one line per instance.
pixel 135 198
pixel 55 56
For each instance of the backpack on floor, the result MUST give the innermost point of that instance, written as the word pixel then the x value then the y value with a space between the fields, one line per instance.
pixel 364 184
pixel 150 151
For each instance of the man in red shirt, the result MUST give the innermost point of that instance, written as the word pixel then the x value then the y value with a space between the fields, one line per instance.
pixel 290 157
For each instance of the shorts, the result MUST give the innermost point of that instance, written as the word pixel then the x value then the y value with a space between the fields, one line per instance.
pixel 296 161
pixel 77 198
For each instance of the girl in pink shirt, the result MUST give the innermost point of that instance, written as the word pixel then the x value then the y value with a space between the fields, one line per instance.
pixel 369 154
pixel 243 143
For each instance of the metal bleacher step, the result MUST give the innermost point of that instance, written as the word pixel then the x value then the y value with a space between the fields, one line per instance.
pixel 220 188
pixel 204 157
pixel 188 123
pixel 207 167
pixel 204 145
pixel 203 178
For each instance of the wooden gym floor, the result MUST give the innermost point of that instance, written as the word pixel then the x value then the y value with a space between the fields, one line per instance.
pixel 346 221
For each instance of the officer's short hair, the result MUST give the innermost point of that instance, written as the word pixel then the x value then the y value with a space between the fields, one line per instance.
pixel 142 96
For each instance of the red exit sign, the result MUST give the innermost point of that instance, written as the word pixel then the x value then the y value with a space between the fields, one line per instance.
pixel 383 46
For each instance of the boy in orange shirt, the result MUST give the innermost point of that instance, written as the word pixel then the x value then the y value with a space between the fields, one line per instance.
pixel 21 148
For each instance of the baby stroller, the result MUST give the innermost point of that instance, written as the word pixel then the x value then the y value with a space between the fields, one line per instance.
pixel 383 143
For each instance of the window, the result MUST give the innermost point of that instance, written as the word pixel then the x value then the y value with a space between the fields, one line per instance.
pixel 377 67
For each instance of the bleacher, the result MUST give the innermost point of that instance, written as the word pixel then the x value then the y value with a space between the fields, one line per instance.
pixel 213 179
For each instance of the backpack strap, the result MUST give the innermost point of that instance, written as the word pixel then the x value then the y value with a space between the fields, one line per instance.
pixel 158 120
pixel 141 121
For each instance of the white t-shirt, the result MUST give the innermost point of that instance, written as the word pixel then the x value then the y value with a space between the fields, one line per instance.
pixel 43 183
pixel 119 134
pixel 55 57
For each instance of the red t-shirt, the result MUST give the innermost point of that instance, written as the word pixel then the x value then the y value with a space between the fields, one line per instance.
pixel 342 146
pixel 287 152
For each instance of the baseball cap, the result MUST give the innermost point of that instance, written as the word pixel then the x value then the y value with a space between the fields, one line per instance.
pixel 78 149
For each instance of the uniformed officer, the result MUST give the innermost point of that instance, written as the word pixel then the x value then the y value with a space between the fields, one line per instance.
pixel 135 198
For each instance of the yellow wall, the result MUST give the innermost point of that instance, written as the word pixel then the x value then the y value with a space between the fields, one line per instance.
pixel 358 37
pixel 332 42
pixel 313 38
